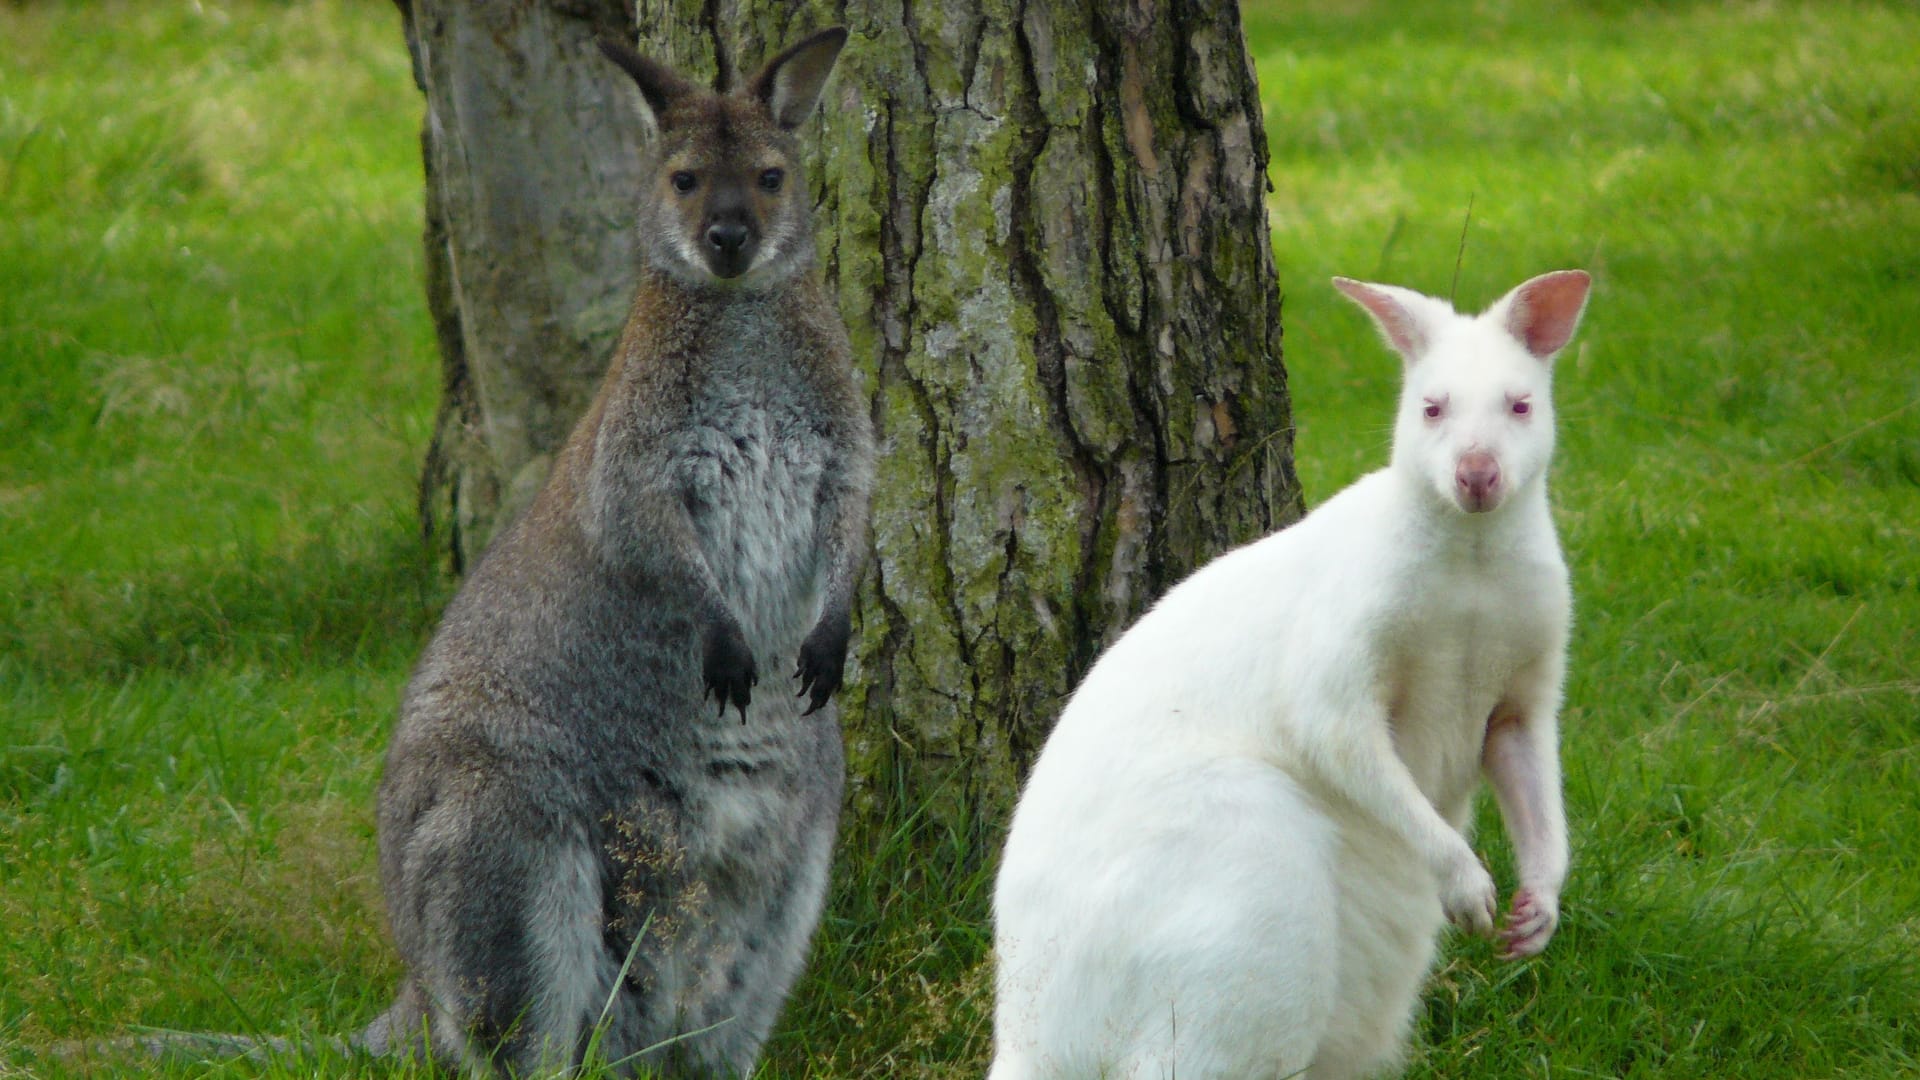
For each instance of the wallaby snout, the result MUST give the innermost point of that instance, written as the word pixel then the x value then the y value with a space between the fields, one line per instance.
pixel 1477 481
pixel 731 238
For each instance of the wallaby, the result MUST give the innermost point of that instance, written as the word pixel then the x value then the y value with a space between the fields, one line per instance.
pixel 581 852
pixel 578 845
pixel 1238 846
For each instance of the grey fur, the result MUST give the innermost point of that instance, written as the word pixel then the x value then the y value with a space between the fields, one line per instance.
pixel 562 793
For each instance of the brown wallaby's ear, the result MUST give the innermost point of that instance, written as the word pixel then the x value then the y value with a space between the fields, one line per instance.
pixel 659 84
pixel 790 84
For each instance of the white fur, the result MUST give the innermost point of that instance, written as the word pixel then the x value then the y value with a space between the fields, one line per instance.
pixel 1237 848
pixel 567 940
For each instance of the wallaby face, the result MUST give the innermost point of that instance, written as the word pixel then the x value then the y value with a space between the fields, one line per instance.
pixel 1476 414
pixel 724 197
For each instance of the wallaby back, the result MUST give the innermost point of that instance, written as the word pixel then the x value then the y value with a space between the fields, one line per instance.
pixel 580 846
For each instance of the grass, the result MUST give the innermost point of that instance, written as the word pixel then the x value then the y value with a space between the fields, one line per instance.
pixel 217 377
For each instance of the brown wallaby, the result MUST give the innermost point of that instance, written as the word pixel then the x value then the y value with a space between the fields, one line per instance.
pixel 582 854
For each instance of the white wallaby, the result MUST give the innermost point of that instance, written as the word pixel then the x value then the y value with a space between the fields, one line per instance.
pixel 1240 843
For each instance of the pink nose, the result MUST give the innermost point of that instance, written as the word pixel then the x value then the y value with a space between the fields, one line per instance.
pixel 1478 478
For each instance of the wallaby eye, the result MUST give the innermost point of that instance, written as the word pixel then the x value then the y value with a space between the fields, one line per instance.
pixel 684 181
pixel 1522 407
pixel 1433 410
pixel 771 179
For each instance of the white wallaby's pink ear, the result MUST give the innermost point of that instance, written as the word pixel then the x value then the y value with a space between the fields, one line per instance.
pixel 1405 318
pixel 1542 313
pixel 790 84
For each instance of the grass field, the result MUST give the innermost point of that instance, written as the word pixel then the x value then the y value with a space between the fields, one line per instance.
pixel 217 378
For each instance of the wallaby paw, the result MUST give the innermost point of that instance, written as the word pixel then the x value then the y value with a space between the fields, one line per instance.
pixel 1467 895
pixel 728 666
pixel 823 661
pixel 1529 924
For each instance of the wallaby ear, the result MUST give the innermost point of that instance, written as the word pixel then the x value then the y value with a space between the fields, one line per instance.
pixel 790 84
pixel 659 84
pixel 1405 318
pixel 1543 312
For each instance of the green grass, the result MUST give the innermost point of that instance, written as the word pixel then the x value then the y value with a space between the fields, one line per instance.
pixel 217 377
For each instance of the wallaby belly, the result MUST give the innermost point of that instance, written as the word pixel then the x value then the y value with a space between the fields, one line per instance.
pixel 752 482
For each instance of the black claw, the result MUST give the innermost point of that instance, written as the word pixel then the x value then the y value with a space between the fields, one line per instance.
pixel 823 658
pixel 818 687
pixel 727 668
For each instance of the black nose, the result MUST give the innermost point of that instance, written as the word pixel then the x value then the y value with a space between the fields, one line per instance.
pixel 727 237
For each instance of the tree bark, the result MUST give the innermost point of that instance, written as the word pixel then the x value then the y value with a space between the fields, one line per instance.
pixel 530 163
pixel 1045 222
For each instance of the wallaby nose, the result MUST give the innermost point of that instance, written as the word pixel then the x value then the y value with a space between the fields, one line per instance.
pixel 727 237
pixel 1477 479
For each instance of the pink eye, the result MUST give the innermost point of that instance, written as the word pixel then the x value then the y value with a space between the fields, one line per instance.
pixel 1432 410
pixel 1522 407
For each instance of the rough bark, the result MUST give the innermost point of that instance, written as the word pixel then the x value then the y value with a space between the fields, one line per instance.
pixel 530 171
pixel 1045 223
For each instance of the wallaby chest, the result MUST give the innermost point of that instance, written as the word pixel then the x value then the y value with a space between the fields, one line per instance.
pixel 755 451
pixel 1462 633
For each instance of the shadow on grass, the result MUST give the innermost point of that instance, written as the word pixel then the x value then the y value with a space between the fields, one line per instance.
pixel 323 602
pixel 899 982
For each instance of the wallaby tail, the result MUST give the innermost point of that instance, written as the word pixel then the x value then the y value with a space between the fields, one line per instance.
pixel 388 1036
pixel 200 1046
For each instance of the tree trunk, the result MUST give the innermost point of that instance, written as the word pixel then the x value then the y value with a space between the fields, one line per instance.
pixel 530 173
pixel 1046 225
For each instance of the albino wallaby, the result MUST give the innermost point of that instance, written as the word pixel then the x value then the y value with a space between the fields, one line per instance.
pixel 1236 851
pixel 577 845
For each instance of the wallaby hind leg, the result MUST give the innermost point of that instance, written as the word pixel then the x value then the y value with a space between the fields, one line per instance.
pixel 506 943
pixel 401 1031
pixel 720 953
pixel 774 941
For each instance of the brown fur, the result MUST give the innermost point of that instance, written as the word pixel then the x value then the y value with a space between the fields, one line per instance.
pixel 567 816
